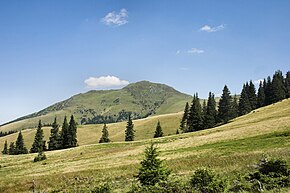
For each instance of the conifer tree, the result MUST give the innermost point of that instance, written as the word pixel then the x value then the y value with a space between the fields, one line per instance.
pixel 204 108
pixel 105 135
pixel 225 104
pixel 210 113
pixel 158 131
pixel 12 149
pixel 235 107
pixel 195 121
pixel 268 90
pixel 5 149
pixel 64 134
pixel 244 103
pixel 152 169
pixel 20 147
pixel 177 131
pixel 183 125
pixel 261 95
pixel 72 133
pixel 278 89
pixel 54 139
pixel 129 132
pixel 287 85
pixel 252 95
pixel 38 139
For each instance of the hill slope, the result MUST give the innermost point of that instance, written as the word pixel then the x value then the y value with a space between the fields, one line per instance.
pixel 230 148
pixel 140 99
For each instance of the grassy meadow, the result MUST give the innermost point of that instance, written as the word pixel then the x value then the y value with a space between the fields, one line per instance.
pixel 228 149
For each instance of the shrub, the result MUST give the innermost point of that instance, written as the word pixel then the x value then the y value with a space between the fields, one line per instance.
pixel 40 156
pixel 103 188
pixel 271 174
pixel 206 181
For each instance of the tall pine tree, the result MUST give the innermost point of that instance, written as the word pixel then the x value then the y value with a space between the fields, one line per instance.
pixel 244 103
pixel 12 149
pixel 195 121
pixel 129 132
pixel 268 91
pixel 210 113
pixel 225 104
pixel 158 131
pixel 287 84
pixel 54 139
pixel 38 139
pixel 261 94
pixel 20 147
pixel 105 135
pixel 5 148
pixel 278 89
pixel 235 107
pixel 183 125
pixel 64 134
pixel 72 132
pixel 252 95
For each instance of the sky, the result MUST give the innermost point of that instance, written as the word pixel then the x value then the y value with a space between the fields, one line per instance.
pixel 53 49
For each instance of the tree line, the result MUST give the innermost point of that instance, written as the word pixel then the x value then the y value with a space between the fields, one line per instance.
pixel 198 117
pixel 65 138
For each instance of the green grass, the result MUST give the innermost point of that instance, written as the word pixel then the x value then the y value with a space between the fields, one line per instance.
pixel 228 149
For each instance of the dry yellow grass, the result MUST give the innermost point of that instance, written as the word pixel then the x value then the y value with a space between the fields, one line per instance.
pixel 228 148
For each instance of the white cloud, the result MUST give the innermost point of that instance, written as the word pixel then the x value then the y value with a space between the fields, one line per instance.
pixel 116 19
pixel 105 82
pixel 195 51
pixel 208 28
pixel 178 52
pixel 258 81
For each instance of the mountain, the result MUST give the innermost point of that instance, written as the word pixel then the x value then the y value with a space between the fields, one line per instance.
pixel 140 99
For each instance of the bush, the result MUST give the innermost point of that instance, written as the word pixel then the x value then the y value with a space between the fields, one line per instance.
pixel 169 186
pixel 271 174
pixel 40 156
pixel 206 181
pixel 103 188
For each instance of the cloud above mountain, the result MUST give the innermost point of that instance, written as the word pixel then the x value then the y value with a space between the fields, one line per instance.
pixel 105 82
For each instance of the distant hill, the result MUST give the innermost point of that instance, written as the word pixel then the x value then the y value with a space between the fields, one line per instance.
pixel 140 99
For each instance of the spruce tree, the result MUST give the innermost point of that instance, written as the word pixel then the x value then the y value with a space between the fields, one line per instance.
pixel 183 125
pixel 12 149
pixel 152 169
pixel 72 133
pixel 20 147
pixel 268 90
pixel 225 104
pixel 278 89
pixel 105 135
pixel 252 95
pixel 5 149
pixel 244 103
pixel 38 139
pixel 287 85
pixel 158 131
pixel 204 108
pixel 261 95
pixel 64 134
pixel 54 138
pixel 210 112
pixel 129 132
pixel 235 107
pixel 195 121
pixel 177 131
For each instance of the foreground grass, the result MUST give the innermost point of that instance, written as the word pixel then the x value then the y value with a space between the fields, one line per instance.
pixel 229 149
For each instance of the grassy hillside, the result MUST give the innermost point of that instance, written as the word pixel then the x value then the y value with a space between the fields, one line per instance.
pixel 228 149
pixel 142 99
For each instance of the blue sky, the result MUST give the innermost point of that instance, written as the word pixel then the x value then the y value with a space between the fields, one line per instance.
pixel 51 50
